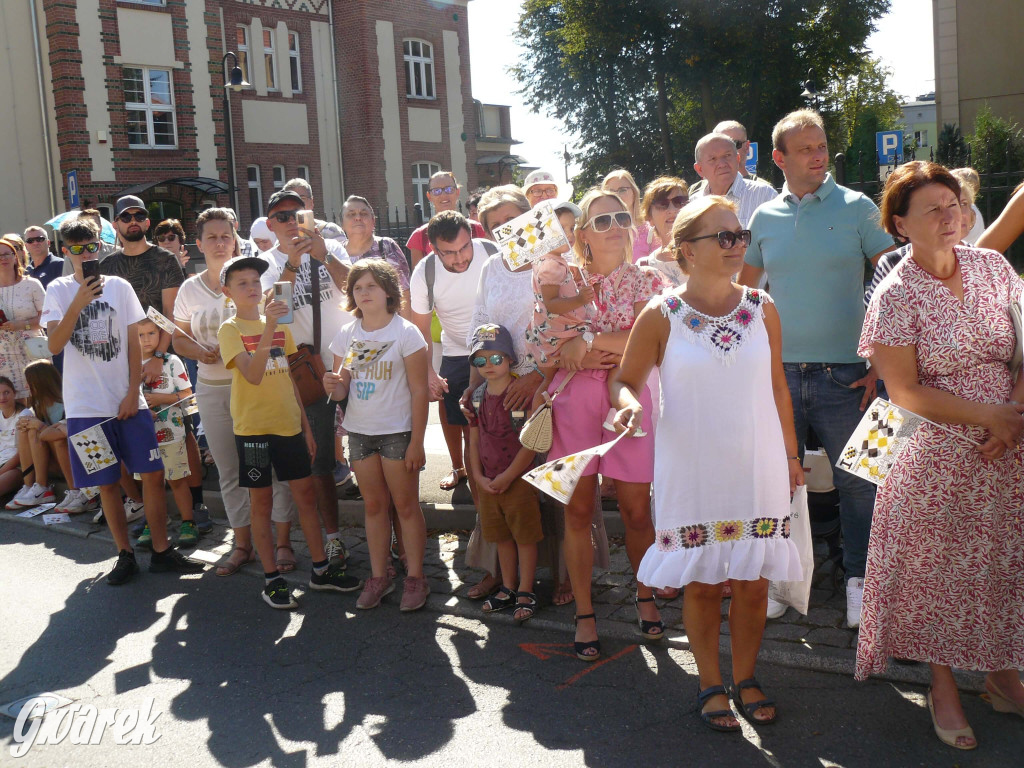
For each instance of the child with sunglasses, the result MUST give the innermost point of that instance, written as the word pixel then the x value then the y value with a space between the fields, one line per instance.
pixel 562 308
pixel 383 374
pixel 508 505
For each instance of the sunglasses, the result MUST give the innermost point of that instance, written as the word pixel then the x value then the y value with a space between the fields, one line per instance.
pixel 480 362
pixel 128 218
pixel 675 202
pixel 166 238
pixel 438 191
pixel 739 143
pixel 727 239
pixel 603 221
pixel 283 217
pixel 77 249
pixel 38 239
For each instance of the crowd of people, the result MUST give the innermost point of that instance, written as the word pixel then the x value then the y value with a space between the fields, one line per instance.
pixel 716 326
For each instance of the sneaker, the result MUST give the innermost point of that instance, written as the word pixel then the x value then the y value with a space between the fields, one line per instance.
pixel 32 497
pixel 172 561
pixel 132 510
pixel 277 595
pixel 137 529
pixel 414 593
pixel 201 517
pixel 74 503
pixel 854 598
pixel 334 579
pixel 98 517
pixel 375 591
pixel 187 534
pixel 776 609
pixel 145 539
pixel 125 569
pixel 342 473
pixel 335 550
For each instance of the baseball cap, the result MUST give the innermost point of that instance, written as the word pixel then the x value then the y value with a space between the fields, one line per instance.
pixel 242 262
pixel 127 203
pixel 495 337
pixel 567 205
pixel 280 196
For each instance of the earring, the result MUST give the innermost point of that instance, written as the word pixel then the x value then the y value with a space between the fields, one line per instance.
pixel 650 235
pixel 586 253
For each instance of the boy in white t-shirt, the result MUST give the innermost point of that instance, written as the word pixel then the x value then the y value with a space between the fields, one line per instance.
pixel 96 323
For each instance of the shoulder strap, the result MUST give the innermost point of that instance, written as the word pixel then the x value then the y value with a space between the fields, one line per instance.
pixel 314 287
pixel 429 270
pixel 478 396
pixel 561 386
pixel 490 248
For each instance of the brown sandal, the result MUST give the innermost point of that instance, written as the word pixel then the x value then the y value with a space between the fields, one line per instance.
pixel 232 566
pixel 284 564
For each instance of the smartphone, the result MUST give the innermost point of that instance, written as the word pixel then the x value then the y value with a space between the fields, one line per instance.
pixel 90 269
pixel 306 222
pixel 283 292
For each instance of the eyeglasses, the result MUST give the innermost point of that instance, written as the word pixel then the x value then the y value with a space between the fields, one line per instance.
pixel 37 239
pixel 603 221
pixel 438 191
pixel 726 239
pixel 675 202
pixel 480 362
pixel 283 217
pixel 166 238
pixel 620 191
pixel 127 217
pixel 456 254
pixel 739 143
pixel 77 249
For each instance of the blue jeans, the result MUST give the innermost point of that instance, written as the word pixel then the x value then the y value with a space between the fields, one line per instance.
pixel 824 401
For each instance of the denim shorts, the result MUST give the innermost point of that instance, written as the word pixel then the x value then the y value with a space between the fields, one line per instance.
pixel 388 446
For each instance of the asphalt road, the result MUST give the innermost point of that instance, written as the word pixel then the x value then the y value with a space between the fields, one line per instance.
pixel 237 684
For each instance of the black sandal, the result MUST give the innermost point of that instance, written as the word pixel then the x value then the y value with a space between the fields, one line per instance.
pixel 647 627
pixel 529 607
pixel 580 647
pixel 748 710
pixel 708 718
pixel 496 602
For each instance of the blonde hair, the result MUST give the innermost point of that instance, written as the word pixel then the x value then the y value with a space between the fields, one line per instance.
pixel 634 210
pixel 580 251
pixel 795 121
pixel 969 180
pixel 659 189
pixel 688 220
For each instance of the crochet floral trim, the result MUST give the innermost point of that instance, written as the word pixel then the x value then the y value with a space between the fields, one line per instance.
pixel 721 336
pixel 720 532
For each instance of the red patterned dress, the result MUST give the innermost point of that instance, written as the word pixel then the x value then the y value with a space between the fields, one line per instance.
pixel 945 569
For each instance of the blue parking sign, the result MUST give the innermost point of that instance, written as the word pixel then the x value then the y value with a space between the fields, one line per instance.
pixel 751 160
pixel 73 196
pixel 889 145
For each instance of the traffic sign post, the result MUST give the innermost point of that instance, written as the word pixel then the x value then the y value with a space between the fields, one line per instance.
pixel 751 161
pixel 890 147
pixel 73 196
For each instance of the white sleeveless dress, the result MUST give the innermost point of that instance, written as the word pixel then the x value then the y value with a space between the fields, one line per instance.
pixel 721 481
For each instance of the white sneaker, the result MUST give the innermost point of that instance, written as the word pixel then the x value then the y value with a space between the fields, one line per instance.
pixel 22 494
pixel 31 497
pixel 854 599
pixel 335 550
pixel 776 609
pixel 133 510
pixel 74 503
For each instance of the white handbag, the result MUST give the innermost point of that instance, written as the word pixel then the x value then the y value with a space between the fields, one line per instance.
pixel 538 431
pixel 797 593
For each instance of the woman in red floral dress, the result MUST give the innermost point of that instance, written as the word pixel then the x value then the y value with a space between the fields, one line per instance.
pixel 946 554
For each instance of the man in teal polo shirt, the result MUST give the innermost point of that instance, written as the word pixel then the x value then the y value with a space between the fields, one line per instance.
pixel 814 242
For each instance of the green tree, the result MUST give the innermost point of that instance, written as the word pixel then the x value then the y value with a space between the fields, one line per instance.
pixel 950 147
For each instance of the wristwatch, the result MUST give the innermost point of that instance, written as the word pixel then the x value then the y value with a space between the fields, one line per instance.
pixel 160 355
pixel 588 338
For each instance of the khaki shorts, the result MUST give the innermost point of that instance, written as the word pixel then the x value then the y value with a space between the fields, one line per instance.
pixel 175 459
pixel 514 514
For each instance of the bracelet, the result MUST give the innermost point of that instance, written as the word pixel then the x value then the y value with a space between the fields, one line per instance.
pixel 793 458
pixel 288 266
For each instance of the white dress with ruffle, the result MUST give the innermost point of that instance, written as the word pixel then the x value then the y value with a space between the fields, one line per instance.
pixel 721 481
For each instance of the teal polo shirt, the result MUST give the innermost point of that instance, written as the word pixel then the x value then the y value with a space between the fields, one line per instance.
pixel 814 253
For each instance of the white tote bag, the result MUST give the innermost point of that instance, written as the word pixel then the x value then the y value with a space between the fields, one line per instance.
pixel 797 593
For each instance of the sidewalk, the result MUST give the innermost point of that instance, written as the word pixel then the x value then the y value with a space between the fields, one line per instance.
pixel 819 641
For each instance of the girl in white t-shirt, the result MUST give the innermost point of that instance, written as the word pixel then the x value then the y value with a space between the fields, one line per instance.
pixel 384 377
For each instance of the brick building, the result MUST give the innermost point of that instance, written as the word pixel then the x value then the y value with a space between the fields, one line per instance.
pixel 363 97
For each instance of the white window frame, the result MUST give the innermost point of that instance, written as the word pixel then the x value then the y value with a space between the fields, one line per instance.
pixel 302 172
pixel 242 51
pixel 279 177
pixel 160 3
pixel 149 107
pixel 294 62
pixel 270 55
pixel 420 63
pixel 421 183
pixel 257 210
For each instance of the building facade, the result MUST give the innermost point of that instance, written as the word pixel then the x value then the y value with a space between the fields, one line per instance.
pixel 919 127
pixel 364 97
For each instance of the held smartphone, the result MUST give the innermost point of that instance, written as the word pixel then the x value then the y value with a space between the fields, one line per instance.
pixel 306 222
pixel 90 269
pixel 283 292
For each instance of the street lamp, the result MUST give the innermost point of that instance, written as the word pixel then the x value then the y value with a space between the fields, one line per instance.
pixel 810 92
pixel 234 81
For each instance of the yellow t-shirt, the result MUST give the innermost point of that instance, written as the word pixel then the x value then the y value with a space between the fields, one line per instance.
pixel 270 407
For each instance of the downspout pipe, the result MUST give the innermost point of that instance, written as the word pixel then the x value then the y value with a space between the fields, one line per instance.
pixel 337 96
pixel 42 108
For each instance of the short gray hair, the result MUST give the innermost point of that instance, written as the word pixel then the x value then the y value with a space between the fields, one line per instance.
pixel 299 183
pixel 707 139
pixel 729 125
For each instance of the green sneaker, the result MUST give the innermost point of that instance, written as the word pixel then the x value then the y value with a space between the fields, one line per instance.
pixel 145 539
pixel 187 534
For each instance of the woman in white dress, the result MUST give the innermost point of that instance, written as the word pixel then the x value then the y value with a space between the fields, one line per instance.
pixel 21 303
pixel 725 452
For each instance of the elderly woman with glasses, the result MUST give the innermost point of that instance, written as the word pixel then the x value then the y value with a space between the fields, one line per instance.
pixel 358 222
pixel 170 235
pixel 717 343
pixel 603 252
pixel 663 199
pixel 21 304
